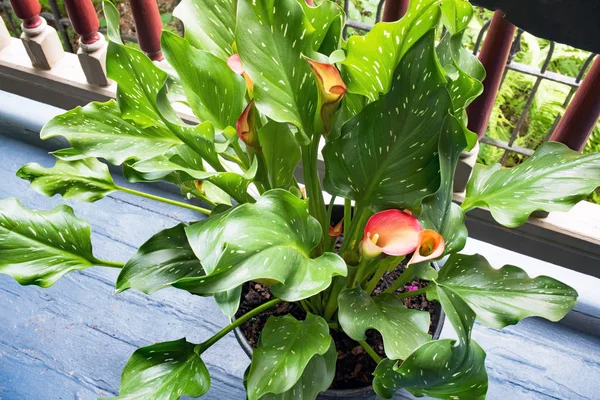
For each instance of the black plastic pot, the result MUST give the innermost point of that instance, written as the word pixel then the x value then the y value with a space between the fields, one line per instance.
pixel 364 393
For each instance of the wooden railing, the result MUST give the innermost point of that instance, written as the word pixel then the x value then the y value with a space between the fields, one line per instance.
pixel 36 66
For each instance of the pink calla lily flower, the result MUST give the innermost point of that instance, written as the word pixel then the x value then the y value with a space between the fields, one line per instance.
pixel 392 232
pixel 336 230
pixel 431 246
pixel 331 89
pixel 235 64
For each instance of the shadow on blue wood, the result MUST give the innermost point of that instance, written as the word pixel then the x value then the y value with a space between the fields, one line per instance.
pixel 72 340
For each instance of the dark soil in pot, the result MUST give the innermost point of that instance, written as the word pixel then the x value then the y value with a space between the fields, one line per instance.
pixel 354 367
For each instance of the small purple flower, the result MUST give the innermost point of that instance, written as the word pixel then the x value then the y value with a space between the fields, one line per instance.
pixel 412 288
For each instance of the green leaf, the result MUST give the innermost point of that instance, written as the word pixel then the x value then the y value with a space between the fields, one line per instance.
pixel 504 296
pixel 166 371
pixel 387 155
pixel 286 347
pixel 281 152
pixel 209 24
pixel 99 130
pixel 555 178
pixel 438 211
pixel 164 259
pixel 214 92
pixel 39 247
pixel 329 19
pixel 440 368
pixel 229 301
pixel 272 36
pixel 372 59
pixel 269 240
pixel 139 81
pixel 184 159
pixel 316 377
pixel 113 31
pixel 402 329
pixel 87 179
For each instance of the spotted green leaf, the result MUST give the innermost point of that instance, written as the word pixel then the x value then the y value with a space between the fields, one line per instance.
pixel 214 92
pixel 316 377
pixel 87 179
pixel 504 296
pixel 286 349
pixel 209 24
pixel 328 18
pixel 402 329
pixel 164 259
pixel 270 240
pixel 281 153
pixel 438 211
pixel 555 178
pixel 184 159
pixel 166 371
pixel 99 130
pixel 39 247
pixel 446 369
pixel 371 60
pixel 387 155
pixel 271 37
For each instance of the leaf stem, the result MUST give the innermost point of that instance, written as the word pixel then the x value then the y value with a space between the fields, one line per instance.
pixel 419 292
pixel 402 280
pixel 370 351
pixel 377 276
pixel 316 203
pixel 164 200
pixel 202 347
pixel 109 264
pixel 347 216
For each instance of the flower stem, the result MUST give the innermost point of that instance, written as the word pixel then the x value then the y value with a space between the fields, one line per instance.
pixel 370 351
pixel 202 347
pixel 164 200
pixel 347 216
pixel 110 264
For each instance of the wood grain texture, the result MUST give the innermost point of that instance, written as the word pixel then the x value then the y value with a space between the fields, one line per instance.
pixel 72 340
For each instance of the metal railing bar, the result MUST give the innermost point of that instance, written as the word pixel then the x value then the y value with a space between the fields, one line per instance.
pixel 60 27
pixel 503 145
pixel 551 76
pixel 484 29
pixel 578 80
pixel 359 25
pixel 379 10
pixel 529 103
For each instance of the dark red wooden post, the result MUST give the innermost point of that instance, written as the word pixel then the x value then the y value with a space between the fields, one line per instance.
pixel 494 55
pixel 84 20
pixel 394 10
pixel 582 113
pixel 29 11
pixel 148 26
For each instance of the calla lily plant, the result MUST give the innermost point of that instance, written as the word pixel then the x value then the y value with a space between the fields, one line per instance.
pixel 275 89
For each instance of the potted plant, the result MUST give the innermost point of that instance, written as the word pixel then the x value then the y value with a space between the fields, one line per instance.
pixel 269 81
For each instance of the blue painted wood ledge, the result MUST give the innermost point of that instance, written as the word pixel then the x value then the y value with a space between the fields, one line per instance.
pixel 72 340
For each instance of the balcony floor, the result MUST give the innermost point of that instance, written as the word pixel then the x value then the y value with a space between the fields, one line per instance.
pixel 73 339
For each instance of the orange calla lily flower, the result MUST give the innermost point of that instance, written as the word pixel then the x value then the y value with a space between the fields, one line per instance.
pixel 235 63
pixel 337 229
pixel 431 246
pixel 392 232
pixel 246 127
pixel 331 91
